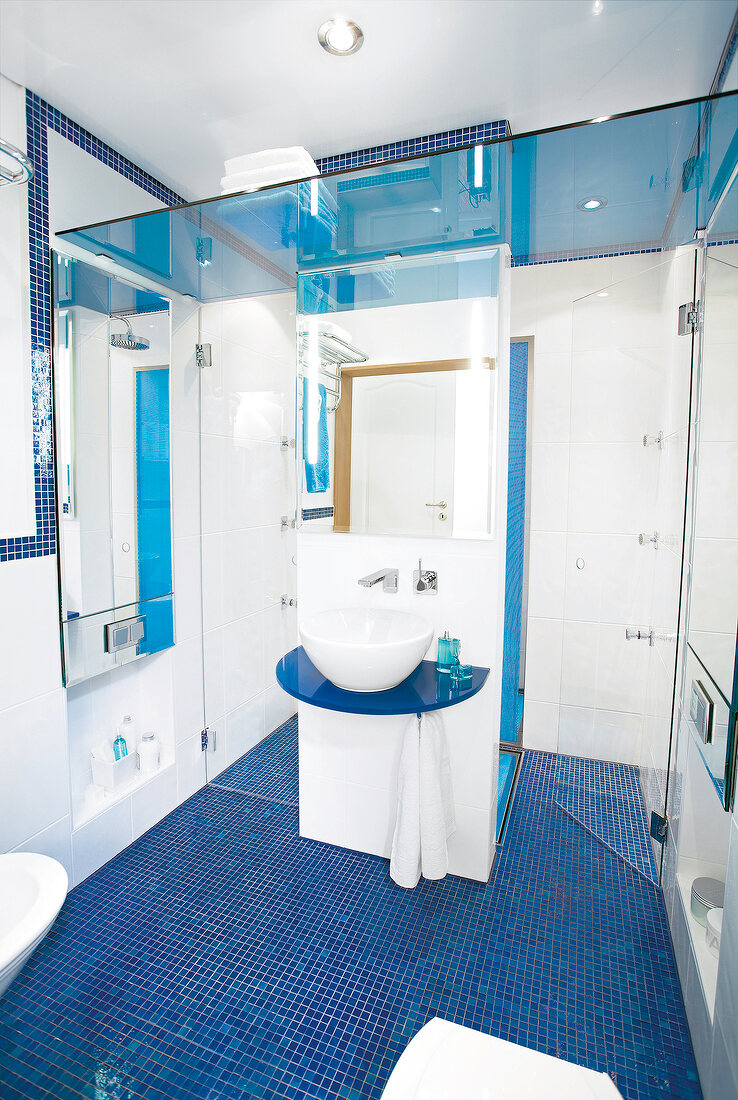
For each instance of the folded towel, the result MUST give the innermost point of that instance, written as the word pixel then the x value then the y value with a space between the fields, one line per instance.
pixel 269 158
pixel 263 177
pixel 425 810
pixel 317 465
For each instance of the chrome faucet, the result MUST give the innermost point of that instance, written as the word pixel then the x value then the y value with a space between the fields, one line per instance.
pixel 388 577
pixel 424 580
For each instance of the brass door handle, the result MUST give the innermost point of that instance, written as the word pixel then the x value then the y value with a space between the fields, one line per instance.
pixel 440 504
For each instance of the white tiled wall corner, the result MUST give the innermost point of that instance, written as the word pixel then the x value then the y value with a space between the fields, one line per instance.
pixel 54 841
pixel 100 839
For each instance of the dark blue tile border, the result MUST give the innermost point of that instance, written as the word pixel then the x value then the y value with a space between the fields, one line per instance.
pixel 414 147
pixel 40 117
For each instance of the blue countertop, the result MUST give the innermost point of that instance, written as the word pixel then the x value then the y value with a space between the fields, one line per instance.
pixel 424 689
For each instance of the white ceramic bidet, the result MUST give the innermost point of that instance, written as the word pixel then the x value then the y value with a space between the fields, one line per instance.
pixel 32 891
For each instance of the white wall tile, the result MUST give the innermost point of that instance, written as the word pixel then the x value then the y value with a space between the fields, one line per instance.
pixel 55 841
pixel 540 725
pixel 547 574
pixel 543 672
pixel 549 480
pixel 34 790
pixel 153 801
pixel 100 839
pixel 29 597
pixel 244 728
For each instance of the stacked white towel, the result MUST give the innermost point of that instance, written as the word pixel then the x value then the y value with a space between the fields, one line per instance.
pixel 266 167
pixel 425 809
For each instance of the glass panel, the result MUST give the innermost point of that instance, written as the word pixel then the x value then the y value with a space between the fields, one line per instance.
pixel 714 596
pixel 399 401
pixel 654 177
pixel 627 467
pixel 112 409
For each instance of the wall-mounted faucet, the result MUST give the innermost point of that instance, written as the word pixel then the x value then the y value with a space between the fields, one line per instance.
pixel 388 577
pixel 424 580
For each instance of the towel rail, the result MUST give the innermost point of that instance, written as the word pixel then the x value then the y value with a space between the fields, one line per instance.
pixel 333 353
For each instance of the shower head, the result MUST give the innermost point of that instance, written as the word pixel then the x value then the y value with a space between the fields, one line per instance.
pixel 127 341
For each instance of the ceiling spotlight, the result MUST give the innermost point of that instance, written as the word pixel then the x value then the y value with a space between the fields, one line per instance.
pixel 597 7
pixel 594 202
pixel 341 37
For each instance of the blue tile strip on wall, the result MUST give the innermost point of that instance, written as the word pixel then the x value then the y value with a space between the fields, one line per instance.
pixel 514 553
pixel 40 116
pixel 224 957
pixel 414 147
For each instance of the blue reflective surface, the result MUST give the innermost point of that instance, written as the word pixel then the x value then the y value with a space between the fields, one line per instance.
pixel 424 689
pixel 661 172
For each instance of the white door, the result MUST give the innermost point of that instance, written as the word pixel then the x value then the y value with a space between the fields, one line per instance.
pixel 402 453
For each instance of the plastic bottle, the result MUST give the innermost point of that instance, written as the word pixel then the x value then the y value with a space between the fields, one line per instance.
pixel 125 734
pixel 149 753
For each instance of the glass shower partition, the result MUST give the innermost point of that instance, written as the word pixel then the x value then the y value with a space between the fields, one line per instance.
pixel 630 394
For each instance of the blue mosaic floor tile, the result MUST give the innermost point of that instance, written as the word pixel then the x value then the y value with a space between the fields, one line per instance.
pixel 606 799
pixel 269 770
pixel 222 957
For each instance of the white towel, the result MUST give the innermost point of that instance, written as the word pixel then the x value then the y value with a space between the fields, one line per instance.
pixel 270 158
pixel 437 818
pixel 425 811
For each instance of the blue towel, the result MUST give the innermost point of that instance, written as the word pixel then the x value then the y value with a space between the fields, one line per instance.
pixel 318 473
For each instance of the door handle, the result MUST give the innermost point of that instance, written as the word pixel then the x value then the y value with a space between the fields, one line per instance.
pixel 440 504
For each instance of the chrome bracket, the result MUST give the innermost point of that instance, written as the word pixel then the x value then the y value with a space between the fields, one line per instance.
pixel 659 826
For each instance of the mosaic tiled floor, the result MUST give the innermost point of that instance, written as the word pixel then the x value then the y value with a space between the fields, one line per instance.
pixel 221 957
pixel 606 799
pixel 269 770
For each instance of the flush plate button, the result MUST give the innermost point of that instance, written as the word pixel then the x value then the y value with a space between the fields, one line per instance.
pixel 123 634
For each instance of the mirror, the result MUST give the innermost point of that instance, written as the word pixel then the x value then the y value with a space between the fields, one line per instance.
pixel 397 386
pixel 112 426
pixel 711 659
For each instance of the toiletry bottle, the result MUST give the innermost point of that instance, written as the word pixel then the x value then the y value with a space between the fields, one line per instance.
pixel 149 753
pixel 448 652
pixel 125 731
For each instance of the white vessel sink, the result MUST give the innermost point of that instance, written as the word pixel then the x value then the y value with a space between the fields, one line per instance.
pixel 362 649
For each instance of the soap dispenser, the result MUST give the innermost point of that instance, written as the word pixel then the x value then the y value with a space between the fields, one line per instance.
pixel 448 653
pixel 125 733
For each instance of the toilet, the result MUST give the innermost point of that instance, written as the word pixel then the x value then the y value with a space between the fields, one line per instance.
pixel 446 1061
pixel 32 891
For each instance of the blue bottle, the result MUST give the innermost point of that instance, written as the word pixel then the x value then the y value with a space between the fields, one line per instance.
pixel 120 748
pixel 448 653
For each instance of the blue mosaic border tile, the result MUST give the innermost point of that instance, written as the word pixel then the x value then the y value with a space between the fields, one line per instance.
pixel 40 117
pixel 414 147
pixel 317 513
pixel 514 541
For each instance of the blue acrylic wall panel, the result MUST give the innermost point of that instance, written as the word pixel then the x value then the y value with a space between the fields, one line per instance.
pixel 515 547
pixel 153 504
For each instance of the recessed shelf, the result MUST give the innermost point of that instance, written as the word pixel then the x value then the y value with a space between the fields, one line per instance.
pixel 707 963
pixel 90 810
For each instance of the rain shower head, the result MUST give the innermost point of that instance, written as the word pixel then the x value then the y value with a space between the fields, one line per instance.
pixel 126 340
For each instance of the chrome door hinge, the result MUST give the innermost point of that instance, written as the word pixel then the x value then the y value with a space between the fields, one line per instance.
pixel 204 355
pixel 207 740
pixel 659 826
pixel 689 318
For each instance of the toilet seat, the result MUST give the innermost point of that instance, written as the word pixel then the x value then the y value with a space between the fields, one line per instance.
pixel 32 891
pixel 446 1061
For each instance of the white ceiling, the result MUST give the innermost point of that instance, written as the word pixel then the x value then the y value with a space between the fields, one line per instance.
pixel 180 85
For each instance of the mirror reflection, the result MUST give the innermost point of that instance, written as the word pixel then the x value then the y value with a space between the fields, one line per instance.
pixel 398 395
pixel 111 381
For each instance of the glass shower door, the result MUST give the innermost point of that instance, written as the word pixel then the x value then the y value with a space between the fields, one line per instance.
pixel 630 393
pixel 248 538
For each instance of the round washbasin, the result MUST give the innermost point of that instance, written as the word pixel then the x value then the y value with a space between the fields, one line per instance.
pixel 361 649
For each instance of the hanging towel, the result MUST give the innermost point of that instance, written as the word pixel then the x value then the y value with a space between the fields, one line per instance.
pixel 437 818
pixel 405 858
pixel 425 810
pixel 317 472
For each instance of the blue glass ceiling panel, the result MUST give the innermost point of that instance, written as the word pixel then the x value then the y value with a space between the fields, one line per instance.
pixel 660 172
pixel 402 282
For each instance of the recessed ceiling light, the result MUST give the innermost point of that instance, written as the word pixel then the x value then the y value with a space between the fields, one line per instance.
pixel 339 36
pixel 593 202
pixel 597 7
